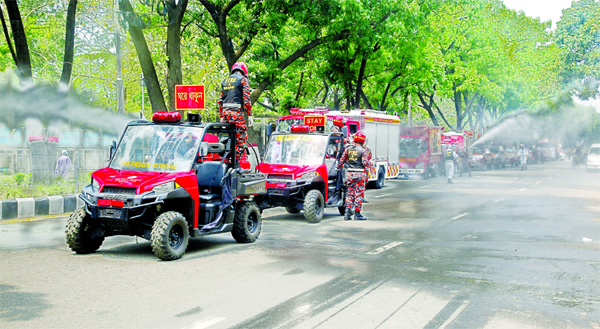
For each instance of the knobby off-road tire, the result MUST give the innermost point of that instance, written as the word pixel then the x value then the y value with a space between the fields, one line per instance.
pixel 292 210
pixel 314 205
pixel 247 223
pixel 170 236
pixel 78 233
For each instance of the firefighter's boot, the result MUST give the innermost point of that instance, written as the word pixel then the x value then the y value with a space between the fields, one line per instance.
pixel 449 181
pixel 348 214
pixel 359 216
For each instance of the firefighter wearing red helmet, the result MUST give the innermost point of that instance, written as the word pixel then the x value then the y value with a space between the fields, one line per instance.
pixel 357 161
pixel 338 123
pixel 233 101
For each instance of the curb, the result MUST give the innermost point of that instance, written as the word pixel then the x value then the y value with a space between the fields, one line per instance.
pixel 42 206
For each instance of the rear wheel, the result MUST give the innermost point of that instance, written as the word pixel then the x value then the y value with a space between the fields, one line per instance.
pixel 80 233
pixel 313 206
pixel 247 223
pixel 170 236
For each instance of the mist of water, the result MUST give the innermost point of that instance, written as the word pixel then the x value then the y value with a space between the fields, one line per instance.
pixel 44 107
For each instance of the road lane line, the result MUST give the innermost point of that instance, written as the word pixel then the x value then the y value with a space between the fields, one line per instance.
pixel 424 186
pixel 499 200
pixel 538 182
pixel 384 248
pixel 455 314
pixel 205 323
pixel 594 325
pixel 459 216
pixel 379 196
pixel 523 189
pixel 549 177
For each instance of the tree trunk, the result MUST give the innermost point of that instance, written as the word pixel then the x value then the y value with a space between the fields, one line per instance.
pixel 428 106
pixel 7 37
pixel 299 87
pixel 174 76
pixel 141 46
pixel 324 99
pixel 457 106
pixel 21 47
pixel 65 77
pixel 359 82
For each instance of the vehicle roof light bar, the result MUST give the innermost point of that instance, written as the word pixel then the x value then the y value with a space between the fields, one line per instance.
pixel 162 116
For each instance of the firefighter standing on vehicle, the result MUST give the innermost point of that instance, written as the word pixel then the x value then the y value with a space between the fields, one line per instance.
pixel 449 158
pixel 357 162
pixel 233 101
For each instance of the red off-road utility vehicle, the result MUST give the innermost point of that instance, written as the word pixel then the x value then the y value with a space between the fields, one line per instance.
pixel 168 181
pixel 302 175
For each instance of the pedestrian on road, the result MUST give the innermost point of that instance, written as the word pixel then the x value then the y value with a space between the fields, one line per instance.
pixel 233 101
pixel 63 164
pixel 464 161
pixel 449 157
pixel 523 154
pixel 357 162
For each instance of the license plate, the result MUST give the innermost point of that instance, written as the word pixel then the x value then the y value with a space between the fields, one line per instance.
pixel 275 192
pixel 110 213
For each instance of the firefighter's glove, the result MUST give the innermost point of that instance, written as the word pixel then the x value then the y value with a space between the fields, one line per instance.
pixel 250 121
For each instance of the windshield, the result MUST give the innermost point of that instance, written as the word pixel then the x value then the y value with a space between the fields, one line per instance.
pixel 284 125
pixel 594 151
pixel 160 148
pixel 296 149
pixel 411 147
pixel 478 149
pixel 495 149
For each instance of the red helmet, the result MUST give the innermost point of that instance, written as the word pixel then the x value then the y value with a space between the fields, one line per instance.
pixel 360 137
pixel 338 121
pixel 240 66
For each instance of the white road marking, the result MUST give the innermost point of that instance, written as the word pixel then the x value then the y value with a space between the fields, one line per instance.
pixel 523 189
pixel 205 323
pixel 595 325
pixel 459 216
pixel 424 186
pixel 538 182
pixel 455 314
pixel 499 200
pixel 384 248
pixel 379 196
pixel 549 177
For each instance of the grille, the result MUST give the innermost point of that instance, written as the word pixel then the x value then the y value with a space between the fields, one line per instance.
pixel 280 177
pixel 118 190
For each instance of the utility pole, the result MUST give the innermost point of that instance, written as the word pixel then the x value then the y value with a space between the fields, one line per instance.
pixel 117 27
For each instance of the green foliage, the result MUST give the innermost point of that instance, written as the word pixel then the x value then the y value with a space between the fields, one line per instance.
pixel 19 186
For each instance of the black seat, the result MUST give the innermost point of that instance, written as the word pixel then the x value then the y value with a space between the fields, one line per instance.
pixel 209 175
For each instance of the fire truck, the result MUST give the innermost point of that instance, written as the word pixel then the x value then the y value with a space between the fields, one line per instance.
pixel 420 151
pixel 382 132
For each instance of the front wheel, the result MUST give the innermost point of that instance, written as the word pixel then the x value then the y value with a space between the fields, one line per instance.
pixel 378 184
pixel 81 234
pixel 314 206
pixel 247 223
pixel 170 236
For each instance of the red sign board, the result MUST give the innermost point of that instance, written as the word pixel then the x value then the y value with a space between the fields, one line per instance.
pixel 189 97
pixel 314 121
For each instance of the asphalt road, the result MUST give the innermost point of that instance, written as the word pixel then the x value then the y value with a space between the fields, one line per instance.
pixel 502 249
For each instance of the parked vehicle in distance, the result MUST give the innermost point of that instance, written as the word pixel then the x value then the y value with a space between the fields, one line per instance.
pixel 593 158
pixel 499 156
pixel 420 151
pixel 482 158
pixel 511 156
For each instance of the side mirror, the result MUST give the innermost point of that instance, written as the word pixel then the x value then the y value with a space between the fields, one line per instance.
pixel 345 131
pixel 113 148
pixel 203 149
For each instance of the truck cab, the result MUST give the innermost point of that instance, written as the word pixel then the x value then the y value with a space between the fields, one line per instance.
pixel 301 169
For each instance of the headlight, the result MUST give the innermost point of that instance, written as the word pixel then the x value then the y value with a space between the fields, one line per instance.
pixel 477 157
pixel 309 175
pixel 419 166
pixel 165 187
pixel 95 185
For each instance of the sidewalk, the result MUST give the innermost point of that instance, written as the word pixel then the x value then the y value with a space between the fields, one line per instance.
pixel 42 206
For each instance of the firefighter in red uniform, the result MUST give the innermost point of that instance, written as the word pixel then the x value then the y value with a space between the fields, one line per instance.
pixel 357 162
pixel 233 101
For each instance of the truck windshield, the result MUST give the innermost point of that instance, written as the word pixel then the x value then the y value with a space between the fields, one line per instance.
pixel 161 148
pixel 411 147
pixel 296 149
pixel 478 149
pixel 284 125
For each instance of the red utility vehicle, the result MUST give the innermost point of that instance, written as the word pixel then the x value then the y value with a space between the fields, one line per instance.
pixel 420 150
pixel 166 183
pixel 301 168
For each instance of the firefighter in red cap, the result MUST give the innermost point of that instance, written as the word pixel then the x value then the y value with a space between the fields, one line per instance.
pixel 234 101
pixel 357 162
pixel 338 123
